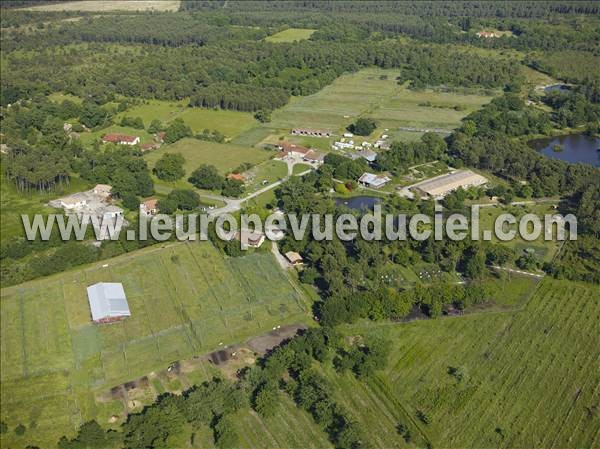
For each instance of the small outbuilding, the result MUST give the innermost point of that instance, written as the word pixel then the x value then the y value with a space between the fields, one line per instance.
pixel 373 181
pixel 108 302
pixel 294 258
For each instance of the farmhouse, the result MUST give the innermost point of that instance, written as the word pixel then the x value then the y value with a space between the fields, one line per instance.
pixel 291 150
pixel 311 132
pixel 149 207
pixel 254 238
pixel 236 177
pixel 121 139
pixel 108 302
pixel 373 181
pixel 294 258
pixel 440 186
pixel 313 157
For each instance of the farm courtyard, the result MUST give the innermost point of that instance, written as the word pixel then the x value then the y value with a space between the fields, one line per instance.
pixel 185 299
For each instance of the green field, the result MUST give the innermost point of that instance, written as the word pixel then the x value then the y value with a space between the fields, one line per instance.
pixel 530 378
pixel 290 35
pixel 375 93
pixel 224 156
pixel 229 123
pixel 185 299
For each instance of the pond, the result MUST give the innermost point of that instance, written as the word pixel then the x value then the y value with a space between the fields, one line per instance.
pixel 358 202
pixel 557 88
pixel 571 148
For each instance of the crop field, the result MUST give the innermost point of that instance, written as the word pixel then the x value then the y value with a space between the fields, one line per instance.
pixel 110 5
pixel 185 299
pixel 529 378
pixel 290 35
pixel 224 156
pixel 375 93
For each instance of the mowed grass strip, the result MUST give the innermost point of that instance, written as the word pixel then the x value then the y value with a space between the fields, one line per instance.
pixel 185 299
pixel 526 374
pixel 290 35
pixel 224 156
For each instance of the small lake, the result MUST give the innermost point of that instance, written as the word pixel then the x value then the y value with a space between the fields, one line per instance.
pixel 574 148
pixel 358 202
pixel 557 88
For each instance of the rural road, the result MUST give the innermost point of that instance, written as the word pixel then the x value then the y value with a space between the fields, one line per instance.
pixel 235 204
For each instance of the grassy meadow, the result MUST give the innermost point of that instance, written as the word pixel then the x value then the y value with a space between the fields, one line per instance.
pixel 528 378
pixel 229 123
pixel 224 156
pixel 185 299
pixel 290 35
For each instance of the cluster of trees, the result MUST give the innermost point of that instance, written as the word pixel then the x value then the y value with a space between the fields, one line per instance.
pixel 574 108
pixel 239 97
pixel 363 126
pixel 289 368
pixel 207 177
pixel 170 167
pixel 403 155
pixel 133 122
pixel 179 199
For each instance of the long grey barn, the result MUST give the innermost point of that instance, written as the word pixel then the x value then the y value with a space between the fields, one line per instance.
pixel 108 302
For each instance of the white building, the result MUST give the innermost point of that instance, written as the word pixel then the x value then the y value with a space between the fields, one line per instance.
pixel 108 302
pixel 373 181
pixel 440 186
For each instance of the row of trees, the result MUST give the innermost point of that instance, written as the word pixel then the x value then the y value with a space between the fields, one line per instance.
pixel 289 368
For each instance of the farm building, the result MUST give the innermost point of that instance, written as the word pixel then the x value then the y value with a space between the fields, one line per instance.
pixel 373 181
pixel 149 207
pixel 313 157
pixel 367 154
pixel 254 239
pixel 440 186
pixel 149 146
pixel 121 139
pixel 294 258
pixel 236 177
pixel 311 132
pixel 108 302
